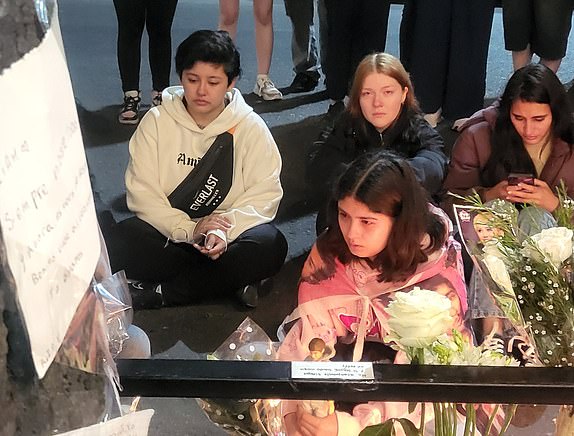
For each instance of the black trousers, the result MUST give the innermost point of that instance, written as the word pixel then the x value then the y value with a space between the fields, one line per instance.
pixel 354 29
pixel 186 275
pixel 157 17
pixel 444 47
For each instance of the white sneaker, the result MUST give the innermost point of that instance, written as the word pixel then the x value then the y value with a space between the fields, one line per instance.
pixel 266 89
pixel 434 118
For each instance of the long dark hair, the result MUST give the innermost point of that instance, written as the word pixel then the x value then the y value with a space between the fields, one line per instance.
pixel 534 83
pixel 386 184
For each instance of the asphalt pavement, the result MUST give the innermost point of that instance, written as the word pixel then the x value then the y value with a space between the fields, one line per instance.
pixel 89 32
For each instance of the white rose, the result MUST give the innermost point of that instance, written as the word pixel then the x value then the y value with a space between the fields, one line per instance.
pixel 418 317
pixel 498 271
pixel 555 243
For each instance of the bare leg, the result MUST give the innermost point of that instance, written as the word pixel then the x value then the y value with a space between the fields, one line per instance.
pixel 552 64
pixel 228 16
pixel 521 58
pixel 263 14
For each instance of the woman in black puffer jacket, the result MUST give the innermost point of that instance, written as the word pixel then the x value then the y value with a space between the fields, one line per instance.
pixel 382 113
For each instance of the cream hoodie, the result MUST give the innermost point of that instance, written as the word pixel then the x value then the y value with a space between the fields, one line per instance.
pixel 168 144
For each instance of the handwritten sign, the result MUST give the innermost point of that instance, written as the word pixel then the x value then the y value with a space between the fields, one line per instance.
pixel 132 424
pixel 333 370
pixel 47 215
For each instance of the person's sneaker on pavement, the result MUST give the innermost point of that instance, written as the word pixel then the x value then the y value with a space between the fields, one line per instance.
pixel 145 295
pixel 248 295
pixel 305 81
pixel 130 109
pixel 155 98
pixel 266 89
pixel 333 114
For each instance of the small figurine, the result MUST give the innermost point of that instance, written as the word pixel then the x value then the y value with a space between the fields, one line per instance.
pixel 319 352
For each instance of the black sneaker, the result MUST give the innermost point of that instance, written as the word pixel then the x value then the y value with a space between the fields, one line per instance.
pixel 145 295
pixel 305 82
pixel 331 117
pixel 335 111
pixel 130 110
pixel 248 296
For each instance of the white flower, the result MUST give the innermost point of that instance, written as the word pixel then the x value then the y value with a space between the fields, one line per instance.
pixel 498 272
pixel 418 317
pixel 555 243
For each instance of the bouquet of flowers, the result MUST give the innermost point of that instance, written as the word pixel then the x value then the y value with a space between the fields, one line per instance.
pixel 535 267
pixel 245 417
pixel 420 327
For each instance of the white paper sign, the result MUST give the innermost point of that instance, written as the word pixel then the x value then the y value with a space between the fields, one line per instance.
pixel 132 424
pixel 333 370
pixel 46 206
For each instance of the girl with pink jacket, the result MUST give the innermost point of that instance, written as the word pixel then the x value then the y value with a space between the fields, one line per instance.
pixel 383 237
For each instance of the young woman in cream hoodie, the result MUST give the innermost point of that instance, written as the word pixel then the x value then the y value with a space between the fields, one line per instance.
pixel 220 240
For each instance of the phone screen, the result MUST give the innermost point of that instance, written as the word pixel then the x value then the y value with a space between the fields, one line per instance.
pixel 516 178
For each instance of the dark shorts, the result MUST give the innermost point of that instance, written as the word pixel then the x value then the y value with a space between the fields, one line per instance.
pixel 544 24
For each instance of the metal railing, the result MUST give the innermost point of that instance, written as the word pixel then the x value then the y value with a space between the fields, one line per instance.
pixel 240 379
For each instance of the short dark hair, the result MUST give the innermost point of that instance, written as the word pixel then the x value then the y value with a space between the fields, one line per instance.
pixel 534 83
pixel 386 184
pixel 211 46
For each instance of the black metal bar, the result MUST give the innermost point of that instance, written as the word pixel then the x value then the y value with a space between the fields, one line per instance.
pixel 237 379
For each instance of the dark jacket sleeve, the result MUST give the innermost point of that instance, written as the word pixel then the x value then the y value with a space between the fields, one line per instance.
pixel 429 161
pixel 328 158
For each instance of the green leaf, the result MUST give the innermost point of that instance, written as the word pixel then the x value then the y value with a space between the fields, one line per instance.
pixel 384 429
pixel 409 428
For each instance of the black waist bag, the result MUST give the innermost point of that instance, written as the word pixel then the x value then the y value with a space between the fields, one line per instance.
pixel 207 185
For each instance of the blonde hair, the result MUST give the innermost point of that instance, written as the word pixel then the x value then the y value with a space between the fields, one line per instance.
pixel 388 65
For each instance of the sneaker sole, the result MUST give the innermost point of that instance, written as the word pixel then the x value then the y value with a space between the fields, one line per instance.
pixel 128 120
pixel 270 98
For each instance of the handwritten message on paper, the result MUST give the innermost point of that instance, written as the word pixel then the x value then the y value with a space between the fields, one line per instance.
pixel 47 215
pixel 333 370
pixel 132 424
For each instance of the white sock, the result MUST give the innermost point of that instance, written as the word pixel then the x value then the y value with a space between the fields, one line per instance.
pixel 262 76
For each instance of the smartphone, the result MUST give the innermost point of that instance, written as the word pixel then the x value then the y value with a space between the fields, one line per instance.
pixel 516 178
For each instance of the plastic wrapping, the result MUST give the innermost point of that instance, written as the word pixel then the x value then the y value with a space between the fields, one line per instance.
pixel 245 416
pixel 117 308
pixel 85 345
pixel 44 10
pixel 480 240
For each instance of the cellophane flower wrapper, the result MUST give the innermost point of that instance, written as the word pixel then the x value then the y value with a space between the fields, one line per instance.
pixel 490 261
pixel 540 269
pixel 116 298
pixel 245 416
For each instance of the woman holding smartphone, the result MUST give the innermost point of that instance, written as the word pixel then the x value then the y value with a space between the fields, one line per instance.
pixel 518 150
pixel 530 131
